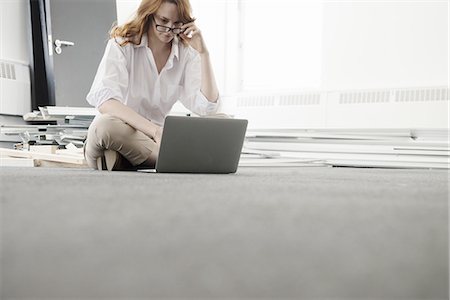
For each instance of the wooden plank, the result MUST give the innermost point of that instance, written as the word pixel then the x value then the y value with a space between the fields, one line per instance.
pixel 17 162
pixel 42 156
pixel 51 149
pixel 74 148
pixel 70 153
pixel 53 164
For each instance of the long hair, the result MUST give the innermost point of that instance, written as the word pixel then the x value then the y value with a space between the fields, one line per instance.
pixel 132 31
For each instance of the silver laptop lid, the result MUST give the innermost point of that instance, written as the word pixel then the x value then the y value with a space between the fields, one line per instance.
pixel 201 145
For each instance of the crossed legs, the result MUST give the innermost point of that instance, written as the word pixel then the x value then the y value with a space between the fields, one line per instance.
pixel 109 133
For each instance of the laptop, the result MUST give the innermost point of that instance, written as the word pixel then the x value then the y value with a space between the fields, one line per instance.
pixel 201 145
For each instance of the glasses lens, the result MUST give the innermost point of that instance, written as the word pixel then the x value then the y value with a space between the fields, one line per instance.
pixel 161 28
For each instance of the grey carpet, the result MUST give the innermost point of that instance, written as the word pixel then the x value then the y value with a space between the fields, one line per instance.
pixel 300 233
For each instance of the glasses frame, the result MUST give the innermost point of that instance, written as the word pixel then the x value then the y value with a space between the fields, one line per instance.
pixel 167 29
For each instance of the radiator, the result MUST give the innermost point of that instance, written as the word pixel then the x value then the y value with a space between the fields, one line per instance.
pixel 424 107
pixel 15 88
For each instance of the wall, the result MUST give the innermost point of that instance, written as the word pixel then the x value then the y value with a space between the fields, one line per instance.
pixel 385 64
pixel 15 57
pixel 14 30
pixel 125 9
pixel 382 44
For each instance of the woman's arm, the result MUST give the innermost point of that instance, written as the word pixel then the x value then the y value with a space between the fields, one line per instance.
pixel 193 36
pixel 209 86
pixel 119 110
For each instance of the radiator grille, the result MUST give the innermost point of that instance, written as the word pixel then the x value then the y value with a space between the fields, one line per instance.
pixel 422 95
pixel 7 71
pixel 362 97
pixel 305 99
pixel 355 97
pixel 398 95
pixel 255 101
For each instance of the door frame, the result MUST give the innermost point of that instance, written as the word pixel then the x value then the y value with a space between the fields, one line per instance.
pixel 42 75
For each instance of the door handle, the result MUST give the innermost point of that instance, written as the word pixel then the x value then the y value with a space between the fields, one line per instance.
pixel 59 44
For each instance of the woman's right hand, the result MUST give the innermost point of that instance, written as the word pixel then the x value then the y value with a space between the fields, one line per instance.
pixel 158 135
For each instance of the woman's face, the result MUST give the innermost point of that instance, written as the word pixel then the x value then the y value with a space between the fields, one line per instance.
pixel 167 15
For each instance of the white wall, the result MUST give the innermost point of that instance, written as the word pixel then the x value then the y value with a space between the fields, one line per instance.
pixel 15 56
pixel 14 30
pixel 281 45
pixel 384 44
pixel 365 44
pixel 125 9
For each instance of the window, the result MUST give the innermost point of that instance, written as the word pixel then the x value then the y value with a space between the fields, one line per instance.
pixel 281 45
pixel 261 45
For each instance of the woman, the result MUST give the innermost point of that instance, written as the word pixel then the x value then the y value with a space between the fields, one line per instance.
pixel 152 61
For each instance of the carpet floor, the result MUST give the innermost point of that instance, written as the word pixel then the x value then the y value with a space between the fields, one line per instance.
pixel 274 233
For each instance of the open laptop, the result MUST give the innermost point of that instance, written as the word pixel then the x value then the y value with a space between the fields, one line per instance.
pixel 201 145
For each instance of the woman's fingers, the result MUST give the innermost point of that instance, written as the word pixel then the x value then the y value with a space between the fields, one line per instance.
pixel 184 26
pixel 188 30
pixel 191 31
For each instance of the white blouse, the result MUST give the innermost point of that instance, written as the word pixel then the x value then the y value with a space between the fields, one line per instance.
pixel 129 74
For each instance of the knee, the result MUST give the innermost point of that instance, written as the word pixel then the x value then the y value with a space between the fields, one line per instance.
pixel 106 126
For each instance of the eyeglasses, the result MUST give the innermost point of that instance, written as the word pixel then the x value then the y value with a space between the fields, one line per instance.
pixel 162 28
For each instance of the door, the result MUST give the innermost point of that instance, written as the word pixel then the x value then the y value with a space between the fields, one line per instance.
pixel 78 33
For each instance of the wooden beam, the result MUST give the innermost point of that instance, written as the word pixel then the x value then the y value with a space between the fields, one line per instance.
pixel 43 156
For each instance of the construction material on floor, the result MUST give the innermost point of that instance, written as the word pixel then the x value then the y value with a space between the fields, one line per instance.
pixel 61 115
pixel 48 156
pixel 60 127
pixel 53 137
pixel 387 148
pixel 6 161
pixel 51 125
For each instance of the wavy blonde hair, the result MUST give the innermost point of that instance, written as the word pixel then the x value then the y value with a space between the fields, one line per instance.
pixel 132 31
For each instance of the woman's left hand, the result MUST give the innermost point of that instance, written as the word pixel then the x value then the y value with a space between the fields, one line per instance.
pixel 193 36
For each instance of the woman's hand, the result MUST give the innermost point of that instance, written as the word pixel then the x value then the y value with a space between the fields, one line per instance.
pixel 158 135
pixel 193 36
